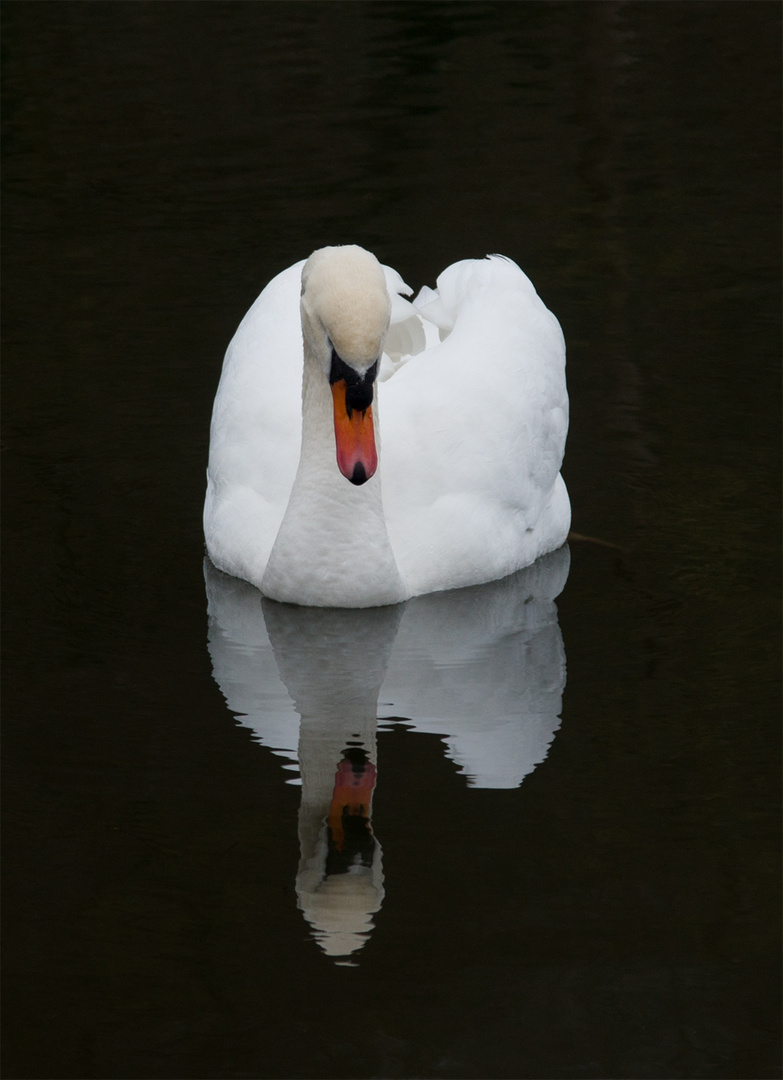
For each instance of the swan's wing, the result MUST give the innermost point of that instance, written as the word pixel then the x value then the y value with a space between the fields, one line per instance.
pixel 401 308
pixel 473 432
pixel 256 431
pixel 408 333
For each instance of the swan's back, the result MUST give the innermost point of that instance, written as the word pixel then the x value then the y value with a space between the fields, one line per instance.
pixel 473 432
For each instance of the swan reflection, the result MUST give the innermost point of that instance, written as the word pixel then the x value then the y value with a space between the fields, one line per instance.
pixel 483 668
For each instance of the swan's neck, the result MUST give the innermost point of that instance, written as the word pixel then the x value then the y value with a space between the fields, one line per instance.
pixel 333 548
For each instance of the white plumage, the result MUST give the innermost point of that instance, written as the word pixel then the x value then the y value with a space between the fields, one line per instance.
pixel 470 418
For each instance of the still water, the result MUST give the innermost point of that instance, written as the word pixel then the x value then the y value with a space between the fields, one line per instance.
pixel 557 795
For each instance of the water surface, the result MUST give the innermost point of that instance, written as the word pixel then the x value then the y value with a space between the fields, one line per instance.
pixel 599 900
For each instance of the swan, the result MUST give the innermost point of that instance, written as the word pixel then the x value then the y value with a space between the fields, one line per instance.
pixel 366 448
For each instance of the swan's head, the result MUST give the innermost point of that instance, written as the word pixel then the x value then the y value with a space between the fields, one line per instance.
pixel 346 309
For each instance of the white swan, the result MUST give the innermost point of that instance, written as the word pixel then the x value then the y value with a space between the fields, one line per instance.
pixel 327 489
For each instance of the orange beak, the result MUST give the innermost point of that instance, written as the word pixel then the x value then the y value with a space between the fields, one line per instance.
pixel 354 435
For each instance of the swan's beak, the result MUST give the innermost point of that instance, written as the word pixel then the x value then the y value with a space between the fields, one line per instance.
pixel 354 435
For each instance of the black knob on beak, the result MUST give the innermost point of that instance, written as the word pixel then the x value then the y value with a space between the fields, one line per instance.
pixel 358 388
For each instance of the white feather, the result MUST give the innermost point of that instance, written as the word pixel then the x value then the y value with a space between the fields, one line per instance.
pixel 472 412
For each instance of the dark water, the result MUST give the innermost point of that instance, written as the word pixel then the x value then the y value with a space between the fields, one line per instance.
pixel 617 914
